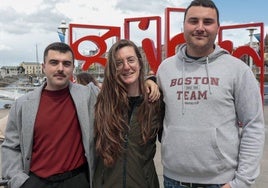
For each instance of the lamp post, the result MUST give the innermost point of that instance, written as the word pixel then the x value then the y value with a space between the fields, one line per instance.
pixel 251 31
pixel 62 27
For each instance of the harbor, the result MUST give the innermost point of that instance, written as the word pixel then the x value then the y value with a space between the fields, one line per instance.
pixel 12 88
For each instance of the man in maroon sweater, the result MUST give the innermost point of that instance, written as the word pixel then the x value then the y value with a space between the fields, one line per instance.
pixel 49 134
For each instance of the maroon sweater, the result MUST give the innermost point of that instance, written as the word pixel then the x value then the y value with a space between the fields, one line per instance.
pixel 57 144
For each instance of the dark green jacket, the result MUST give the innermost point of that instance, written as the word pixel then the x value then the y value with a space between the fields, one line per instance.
pixel 135 168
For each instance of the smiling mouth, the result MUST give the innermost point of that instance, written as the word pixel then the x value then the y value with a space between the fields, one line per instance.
pixel 127 74
pixel 200 36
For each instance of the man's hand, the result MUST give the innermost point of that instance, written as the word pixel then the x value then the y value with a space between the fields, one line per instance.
pixel 227 185
pixel 152 89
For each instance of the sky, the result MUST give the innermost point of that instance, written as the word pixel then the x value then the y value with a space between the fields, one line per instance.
pixel 27 27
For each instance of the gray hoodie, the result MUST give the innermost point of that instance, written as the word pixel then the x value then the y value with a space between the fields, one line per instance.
pixel 213 125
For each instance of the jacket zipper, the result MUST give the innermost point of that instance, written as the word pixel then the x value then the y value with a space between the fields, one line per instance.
pixel 125 162
pixel 125 154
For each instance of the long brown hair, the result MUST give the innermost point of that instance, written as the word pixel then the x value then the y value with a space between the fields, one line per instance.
pixel 111 110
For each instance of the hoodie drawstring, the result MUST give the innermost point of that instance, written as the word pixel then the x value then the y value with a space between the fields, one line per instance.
pixel 209 86
pixel 183 77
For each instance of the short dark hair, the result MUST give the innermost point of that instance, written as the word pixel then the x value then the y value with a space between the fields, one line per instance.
pixel 58 46
pixel 203 3
pixel 85 78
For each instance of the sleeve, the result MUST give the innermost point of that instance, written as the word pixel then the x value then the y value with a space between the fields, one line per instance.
pixel 162 115
pixel 12 167
pixel 249 110
pixel 151 77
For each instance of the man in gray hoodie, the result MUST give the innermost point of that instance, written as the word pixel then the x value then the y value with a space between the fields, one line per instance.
pixel 213 127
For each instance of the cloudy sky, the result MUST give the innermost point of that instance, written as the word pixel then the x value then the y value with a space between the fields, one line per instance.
pixel 27 27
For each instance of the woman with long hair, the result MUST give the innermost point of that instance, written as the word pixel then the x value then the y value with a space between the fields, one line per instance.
pixel 126 123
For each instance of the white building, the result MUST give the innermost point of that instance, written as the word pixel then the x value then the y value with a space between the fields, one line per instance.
pixel 32 68
pixel 8 71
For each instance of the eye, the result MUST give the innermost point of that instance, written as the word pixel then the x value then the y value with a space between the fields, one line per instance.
pixel 53 62
pixel 119 63
pixel 208 21
pixel 193 21
pixel 67 63
pixel 131 60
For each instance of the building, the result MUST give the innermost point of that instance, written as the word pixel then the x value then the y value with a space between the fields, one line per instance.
pixel 32 68
pixel 8 71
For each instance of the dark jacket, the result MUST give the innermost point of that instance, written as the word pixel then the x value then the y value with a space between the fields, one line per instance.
pixel 135 168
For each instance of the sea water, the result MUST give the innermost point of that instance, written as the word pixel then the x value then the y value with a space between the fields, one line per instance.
pixel 5 101
pixel 7 97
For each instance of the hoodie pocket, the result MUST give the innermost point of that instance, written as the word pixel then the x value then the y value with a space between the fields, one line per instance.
pixel 192 152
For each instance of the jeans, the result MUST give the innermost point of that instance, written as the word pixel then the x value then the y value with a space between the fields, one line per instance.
pixel 170 183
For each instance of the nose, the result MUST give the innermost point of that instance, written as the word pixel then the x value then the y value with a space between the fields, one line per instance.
pixel 200 26
pixel 126 64
pixel 60 66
